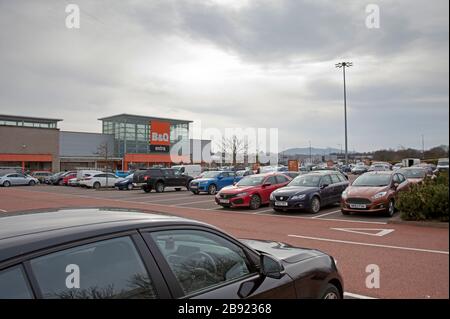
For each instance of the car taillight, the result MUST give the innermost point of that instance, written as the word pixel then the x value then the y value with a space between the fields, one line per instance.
pixel 87 178
pixel 146 177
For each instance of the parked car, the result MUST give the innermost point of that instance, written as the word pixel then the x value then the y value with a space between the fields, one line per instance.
pixel 85 173
pixel 58 179
pixel 379 167
pixel 397 166
pixel 293 174
pixel 41 175
pixel 123 174
pixel 374 192
pixel 244 172
pixel 442 165
pixel 127 254
pixel 160 178
pixel 67 177
pixel 413 174
pixel 213 181
pixel 310 192
pixel 100 180
pixel 189 170
pixel 429 168
pixel 251 191
pixel 15 179
pixel 126 183
pixel 73 182
pixel 359 169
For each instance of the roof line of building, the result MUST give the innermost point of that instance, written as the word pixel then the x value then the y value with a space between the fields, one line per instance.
pixel 33 118
pixel 142 117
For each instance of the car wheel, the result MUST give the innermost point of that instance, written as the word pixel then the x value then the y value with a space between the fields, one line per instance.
pixel 6 184
pixel 61 182
pixel 159 188
pixel 32 183
pixel 97 185
pixel 212 189
pixel 130 187
pixel 188 185
pixel 391 208
pixel 195 192
pixel 331 292
pixel 147 189
pixel 314 205
pixel 255 202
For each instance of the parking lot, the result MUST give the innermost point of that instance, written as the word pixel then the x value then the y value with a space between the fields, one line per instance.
pixel 410 267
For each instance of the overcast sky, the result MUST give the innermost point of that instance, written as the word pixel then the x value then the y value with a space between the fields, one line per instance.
pixel 234 63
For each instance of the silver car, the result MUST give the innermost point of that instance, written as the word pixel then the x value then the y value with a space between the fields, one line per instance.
pixel 13 179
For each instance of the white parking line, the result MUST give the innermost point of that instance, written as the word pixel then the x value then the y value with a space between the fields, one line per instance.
pixel 356 296
pixel 263 211
pixel 3 211
pixel 371 245
pixel 326 214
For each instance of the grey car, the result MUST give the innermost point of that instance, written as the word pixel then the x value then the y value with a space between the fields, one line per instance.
pixel 13 179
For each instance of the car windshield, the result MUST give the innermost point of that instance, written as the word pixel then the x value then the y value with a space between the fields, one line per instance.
pixel 240 173
pixel 210 174
pixel 251 181
pixel 312 180
pixel 129 176
pixel 372 180
pixel 413 173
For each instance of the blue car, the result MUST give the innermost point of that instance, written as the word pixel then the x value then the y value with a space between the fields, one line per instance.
pixel 123 173
pixel 213 181
pixel 126 183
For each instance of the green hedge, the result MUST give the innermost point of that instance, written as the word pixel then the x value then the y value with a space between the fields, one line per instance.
pixel 426 201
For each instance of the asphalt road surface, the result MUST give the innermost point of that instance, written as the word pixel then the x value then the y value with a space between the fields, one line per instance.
pixel 413 260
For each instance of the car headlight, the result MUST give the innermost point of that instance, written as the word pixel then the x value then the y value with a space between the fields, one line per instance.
pixel 298 197
pixel 241 194
pixel 345 193
pixel 379 195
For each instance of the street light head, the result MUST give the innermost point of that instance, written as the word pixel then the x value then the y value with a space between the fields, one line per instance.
pixel 344 64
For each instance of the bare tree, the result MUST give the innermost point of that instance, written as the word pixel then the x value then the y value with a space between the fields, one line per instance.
pixel 103 152
pixel 234 146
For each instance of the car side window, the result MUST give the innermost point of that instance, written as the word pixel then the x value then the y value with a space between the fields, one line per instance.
pixel 271 180
pixel 401 178
pixel 14 285
pixel 326 180
pixel 106 269
pixel 200 260
pixel 335 179
pixel 281 179
pixel 396 179
pixel 225 174
pixel 341 178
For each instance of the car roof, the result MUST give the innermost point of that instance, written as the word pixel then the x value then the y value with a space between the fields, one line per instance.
pixel 380 173
pixel 26 232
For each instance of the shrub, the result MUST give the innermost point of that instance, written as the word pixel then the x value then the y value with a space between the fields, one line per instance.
pixel 428 200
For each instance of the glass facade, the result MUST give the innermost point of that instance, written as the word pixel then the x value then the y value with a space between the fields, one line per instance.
pixel 132 133
pixel 28 123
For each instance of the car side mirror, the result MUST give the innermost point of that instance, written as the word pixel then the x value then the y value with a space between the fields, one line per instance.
pixel 323 186
pixel 219 177
pixel 395 185
pixel 271 267
pixel 267 184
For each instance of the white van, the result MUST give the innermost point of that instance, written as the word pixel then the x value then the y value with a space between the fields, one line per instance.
pixel 189 170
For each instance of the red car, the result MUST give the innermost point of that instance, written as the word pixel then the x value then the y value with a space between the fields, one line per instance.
pixel 65 180
pixel 251 191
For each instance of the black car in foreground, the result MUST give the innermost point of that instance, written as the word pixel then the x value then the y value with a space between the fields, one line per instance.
pixel 310 192
pixel 100 253
pixel 159 178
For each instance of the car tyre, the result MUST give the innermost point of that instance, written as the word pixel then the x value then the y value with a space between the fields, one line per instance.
pixel 97 185
pixel 314 205
pixel 32 183
pixel 255 202
pixel 130 187
pixel 195 192
pixel 331 292
pixel 212 189
pixel 390 211
pixel 6 184
pixel 147 189
pixel 159 187
pixel 61 182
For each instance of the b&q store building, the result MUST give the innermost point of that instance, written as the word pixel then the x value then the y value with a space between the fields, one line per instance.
pixel 127 141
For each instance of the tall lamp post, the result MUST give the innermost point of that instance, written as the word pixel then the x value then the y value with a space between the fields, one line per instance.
pixel 343 65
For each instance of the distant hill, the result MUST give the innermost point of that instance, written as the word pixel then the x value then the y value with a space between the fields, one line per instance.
pixel 314 151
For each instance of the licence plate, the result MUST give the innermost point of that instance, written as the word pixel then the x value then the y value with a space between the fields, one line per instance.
pixel 194 187
pixel 281 203
pixel 360 206
pixel 224 201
